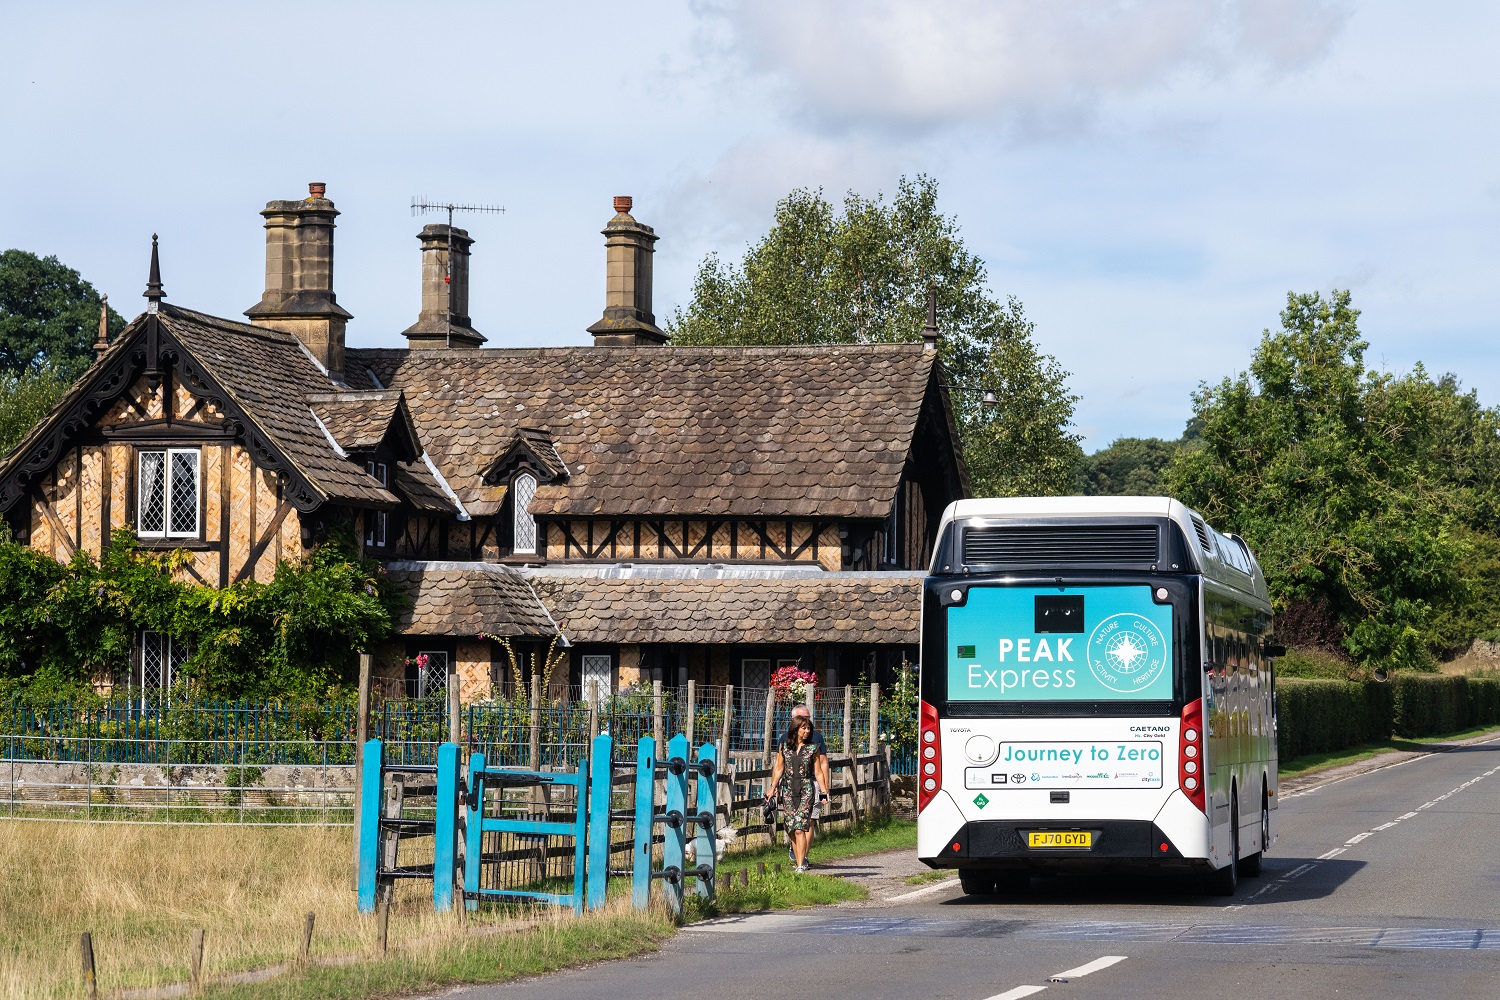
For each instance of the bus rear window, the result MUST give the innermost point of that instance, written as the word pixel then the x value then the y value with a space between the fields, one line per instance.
pixel 1098 643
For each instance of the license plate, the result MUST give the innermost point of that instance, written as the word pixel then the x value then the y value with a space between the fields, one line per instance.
pixel 1060 838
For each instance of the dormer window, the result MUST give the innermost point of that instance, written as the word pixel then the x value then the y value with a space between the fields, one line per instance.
pixel 522 490
pixel 167 501
pixel 377 521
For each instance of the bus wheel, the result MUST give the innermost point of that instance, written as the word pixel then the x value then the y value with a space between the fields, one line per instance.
pixel 977 881
pixel 1226 880
pixel 1250 866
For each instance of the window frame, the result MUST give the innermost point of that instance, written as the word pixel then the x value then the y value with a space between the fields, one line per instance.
pixel 172 653
pixel 168 509
pixel 422 675
pixel 519 515
pixel 607 688
pixel 377 524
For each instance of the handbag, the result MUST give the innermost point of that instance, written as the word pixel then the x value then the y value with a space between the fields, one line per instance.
pixel 768 810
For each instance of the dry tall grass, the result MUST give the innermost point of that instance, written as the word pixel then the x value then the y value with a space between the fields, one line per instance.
pixel 141 890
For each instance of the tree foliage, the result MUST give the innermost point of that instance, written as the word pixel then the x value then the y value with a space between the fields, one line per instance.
pixel 1129 467
pixel 1364 494
pixel 49 315
pixel 49 320
pixel 63 625
pixel 860 276
pixel 26 398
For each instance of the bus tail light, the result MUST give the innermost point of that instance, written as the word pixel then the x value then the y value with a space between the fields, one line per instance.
pixel 1190 772
pixel 929 758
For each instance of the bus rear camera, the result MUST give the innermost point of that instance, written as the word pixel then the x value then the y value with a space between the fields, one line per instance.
pixel 1059 614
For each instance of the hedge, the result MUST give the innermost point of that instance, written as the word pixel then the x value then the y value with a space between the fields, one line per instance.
pixel 1323 716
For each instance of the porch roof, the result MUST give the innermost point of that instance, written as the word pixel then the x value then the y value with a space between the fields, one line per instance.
pixel 803 608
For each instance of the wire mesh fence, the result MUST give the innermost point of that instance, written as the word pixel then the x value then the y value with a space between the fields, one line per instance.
pixel 294 763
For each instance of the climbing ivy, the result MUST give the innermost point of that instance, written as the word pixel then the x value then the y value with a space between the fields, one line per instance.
pixel 63 626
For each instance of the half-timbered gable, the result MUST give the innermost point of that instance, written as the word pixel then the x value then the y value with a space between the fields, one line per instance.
pixel 660 512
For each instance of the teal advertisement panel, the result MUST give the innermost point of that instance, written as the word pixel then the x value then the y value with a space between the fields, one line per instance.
pixel 1102 643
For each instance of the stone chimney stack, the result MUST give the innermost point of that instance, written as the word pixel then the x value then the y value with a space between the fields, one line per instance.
pixel 299 277
pixel 627 320
pixel 444 319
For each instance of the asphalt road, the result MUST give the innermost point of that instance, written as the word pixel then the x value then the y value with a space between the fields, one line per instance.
pixel 1385 884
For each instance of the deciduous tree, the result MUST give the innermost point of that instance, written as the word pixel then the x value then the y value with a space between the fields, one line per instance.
pixel 861 275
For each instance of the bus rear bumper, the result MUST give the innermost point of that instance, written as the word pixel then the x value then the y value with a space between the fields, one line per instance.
pixel 1006 844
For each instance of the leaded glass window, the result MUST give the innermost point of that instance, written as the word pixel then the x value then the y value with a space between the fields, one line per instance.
pixel 525 525
pixel 432 672
pixel 161 659
pixel 169 487
pixel 598 670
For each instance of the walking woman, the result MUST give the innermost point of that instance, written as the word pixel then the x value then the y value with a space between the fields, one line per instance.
pixel 792 786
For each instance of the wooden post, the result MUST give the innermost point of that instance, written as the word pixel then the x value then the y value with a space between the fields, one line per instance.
pixel 885 785
pixel 692 708
pixel 874 716
pixel 593 696
pixel 760 869
pixel 658 723
pixel 361 733
pixel 848 746
pixel 724 728
pixel 304 953
pixel 536 721
pixel 395 802
pixel 86 946
pixel 770 720
pixel 383 920
pixel 195 961
pixel 812 704
pixel 455 719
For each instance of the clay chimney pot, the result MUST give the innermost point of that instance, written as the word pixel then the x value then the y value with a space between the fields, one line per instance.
pixel 317 189
pixel 622 204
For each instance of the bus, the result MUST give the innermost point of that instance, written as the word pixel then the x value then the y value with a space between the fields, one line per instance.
pixel 1097 693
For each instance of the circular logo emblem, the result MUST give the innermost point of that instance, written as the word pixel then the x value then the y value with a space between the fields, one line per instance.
pixel 1127 652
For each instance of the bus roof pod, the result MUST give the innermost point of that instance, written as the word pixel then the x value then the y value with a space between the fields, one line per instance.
pixel 1224 558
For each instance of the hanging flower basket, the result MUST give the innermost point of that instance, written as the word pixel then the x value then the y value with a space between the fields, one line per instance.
pixel 791 684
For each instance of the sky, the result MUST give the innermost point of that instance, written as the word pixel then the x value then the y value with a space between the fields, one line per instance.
pixel 1149 179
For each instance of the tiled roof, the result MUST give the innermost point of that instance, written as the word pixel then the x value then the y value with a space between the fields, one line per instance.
pixel 359 421
pixel 464 599
pixel 672 431
pixel 832 607
pixel 271 377
pixel 415 481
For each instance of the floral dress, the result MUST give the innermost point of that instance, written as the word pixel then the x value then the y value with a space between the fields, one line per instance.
pixel 794 797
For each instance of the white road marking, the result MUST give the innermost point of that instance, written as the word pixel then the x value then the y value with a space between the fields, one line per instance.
pixel 921 892
pixel 1017 993
pixel 1094 966
pixel 1422 756
pixel 1303 869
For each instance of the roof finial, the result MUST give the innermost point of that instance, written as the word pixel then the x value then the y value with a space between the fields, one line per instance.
pixel 930 332
pixel 102 344
pixel 153 292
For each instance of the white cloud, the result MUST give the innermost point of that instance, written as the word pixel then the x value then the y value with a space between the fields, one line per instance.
pixel 939 62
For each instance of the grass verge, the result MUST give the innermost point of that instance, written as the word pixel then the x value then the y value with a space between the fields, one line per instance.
pixel 785 890
pixel 871 837
pixel 554 941
pixel 1308 763
pixel 141 890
